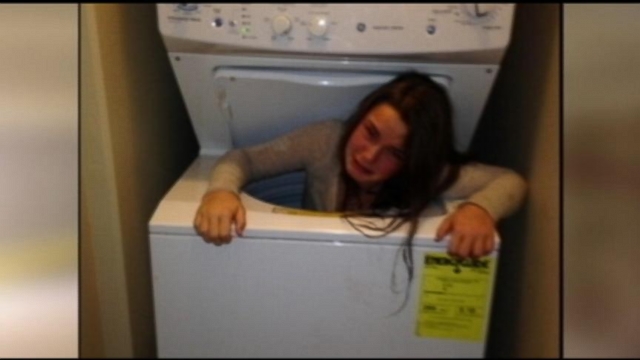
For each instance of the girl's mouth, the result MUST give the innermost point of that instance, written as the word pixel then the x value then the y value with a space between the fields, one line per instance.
pixel 361 168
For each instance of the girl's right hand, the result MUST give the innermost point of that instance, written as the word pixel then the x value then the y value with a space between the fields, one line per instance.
pixel 217 211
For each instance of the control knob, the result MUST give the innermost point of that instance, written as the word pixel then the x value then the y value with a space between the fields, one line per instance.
pixel 281 24
pixel 318 26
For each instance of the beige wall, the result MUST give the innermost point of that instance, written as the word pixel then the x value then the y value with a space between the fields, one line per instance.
pixel 601 207
pixel 136 141
pixel 520 129
pixel 38 180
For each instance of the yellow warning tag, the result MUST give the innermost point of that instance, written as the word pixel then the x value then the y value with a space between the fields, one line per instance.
pixel 454 297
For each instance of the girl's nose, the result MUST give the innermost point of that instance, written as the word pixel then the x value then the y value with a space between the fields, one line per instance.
pixel 370 154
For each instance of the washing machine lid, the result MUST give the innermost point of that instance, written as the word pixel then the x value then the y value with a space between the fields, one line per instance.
pixel 262 104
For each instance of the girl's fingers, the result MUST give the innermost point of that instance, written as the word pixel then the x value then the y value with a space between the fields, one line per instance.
pixel 456 245
pixel 224 232
pixel 241 221
pixel 478 247
pixel 444 228
pixel 489 245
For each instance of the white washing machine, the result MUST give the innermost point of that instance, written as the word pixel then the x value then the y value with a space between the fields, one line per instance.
pixel 302 284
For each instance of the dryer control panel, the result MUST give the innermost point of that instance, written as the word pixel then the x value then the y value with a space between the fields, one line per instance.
pixel 341 28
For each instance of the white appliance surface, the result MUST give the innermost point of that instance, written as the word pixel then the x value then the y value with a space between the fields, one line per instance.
pixel 293 286
pixel 304 285
pixel 266 297
pixel 350 29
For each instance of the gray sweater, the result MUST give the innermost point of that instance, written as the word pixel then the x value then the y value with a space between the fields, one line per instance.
pixel 314 149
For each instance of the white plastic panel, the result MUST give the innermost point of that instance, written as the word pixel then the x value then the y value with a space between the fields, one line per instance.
pixel 389 29
pixel 266 297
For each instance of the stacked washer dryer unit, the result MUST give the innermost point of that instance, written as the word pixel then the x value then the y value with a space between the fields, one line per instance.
pixel 302 285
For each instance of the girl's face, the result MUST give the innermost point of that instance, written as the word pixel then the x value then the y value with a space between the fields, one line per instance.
pixel 375 151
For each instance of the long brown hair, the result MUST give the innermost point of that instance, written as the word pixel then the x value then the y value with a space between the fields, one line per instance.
pixel 430 166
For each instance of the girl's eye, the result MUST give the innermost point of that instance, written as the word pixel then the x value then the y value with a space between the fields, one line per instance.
pixel 371 131
pixel 398 154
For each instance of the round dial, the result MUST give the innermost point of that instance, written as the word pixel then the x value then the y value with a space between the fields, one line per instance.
pixel 318 26
pixel 281 24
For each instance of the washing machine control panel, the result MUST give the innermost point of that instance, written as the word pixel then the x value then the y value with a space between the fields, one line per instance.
pixel 341 28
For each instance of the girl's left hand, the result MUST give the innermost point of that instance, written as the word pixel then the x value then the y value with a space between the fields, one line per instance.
pixel 472 231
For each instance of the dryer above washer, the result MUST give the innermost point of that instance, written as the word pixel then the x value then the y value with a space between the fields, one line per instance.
pixel 245 86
